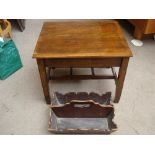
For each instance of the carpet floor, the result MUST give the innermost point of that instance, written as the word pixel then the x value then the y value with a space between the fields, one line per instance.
pixel 22 105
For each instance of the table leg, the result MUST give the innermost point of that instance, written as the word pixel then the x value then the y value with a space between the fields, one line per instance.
pixel 120 80
pixel 138 34
pixel 44 80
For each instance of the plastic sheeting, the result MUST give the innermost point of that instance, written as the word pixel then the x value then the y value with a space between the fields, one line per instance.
pixel 10 60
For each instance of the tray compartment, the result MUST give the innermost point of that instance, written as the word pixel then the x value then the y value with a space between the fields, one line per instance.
pixel 59 98
pixel 82 116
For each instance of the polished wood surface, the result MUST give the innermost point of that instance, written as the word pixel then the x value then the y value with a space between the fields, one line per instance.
pixel 81 63
pixel 143 27
pixel 82 44
pixel 121 78
pixel 44 80
pixel 82 39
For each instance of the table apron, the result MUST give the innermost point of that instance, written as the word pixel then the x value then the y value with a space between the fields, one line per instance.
pixel 83 63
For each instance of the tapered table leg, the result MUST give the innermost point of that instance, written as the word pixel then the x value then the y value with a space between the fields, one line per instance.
pixel 121 78
pixel 44 80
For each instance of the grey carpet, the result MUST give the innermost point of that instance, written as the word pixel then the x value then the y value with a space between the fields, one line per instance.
pixel 22 105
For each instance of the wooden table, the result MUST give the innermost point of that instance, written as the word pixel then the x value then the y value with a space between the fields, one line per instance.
pixel 82 44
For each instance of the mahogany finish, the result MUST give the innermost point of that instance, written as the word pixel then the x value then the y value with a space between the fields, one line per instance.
pixel 82 44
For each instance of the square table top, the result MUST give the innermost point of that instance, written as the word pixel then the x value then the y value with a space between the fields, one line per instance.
pixel 81 39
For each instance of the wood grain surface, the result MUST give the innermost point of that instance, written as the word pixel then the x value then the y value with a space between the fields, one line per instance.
pixel 81 39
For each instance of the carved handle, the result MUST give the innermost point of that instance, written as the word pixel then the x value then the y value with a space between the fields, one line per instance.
pixel 82 109
pixel 81 104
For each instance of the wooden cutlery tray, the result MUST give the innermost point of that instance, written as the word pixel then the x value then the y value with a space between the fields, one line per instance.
pixel 81 113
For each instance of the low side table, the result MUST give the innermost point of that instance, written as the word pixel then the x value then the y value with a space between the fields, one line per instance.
pixel 82 44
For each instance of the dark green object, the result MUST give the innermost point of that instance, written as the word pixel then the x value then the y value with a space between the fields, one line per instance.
pixel 10 60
